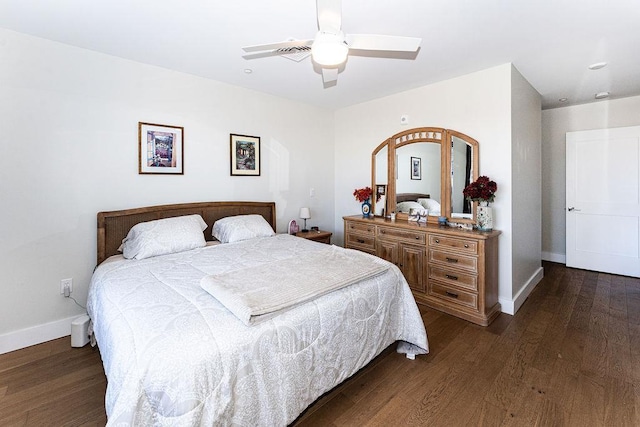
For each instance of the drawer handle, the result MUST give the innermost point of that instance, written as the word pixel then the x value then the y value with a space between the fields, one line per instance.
pixel 382 231
pixel 451 294
pixel 360 240
pixel 417 237
pixel 466 246
pixel 452 259
pixel 437 241
pixel 448 276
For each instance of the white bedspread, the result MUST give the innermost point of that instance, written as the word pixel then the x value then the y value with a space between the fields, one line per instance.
pixel 175 356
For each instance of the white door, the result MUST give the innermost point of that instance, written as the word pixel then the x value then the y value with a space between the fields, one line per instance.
pixel 603 200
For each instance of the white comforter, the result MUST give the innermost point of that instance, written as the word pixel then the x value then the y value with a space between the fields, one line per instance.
pixel 173 355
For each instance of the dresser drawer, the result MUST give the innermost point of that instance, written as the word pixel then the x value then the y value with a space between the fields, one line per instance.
pixel 469 263
pixel 360 228
pixel 453 243
pixel 456 296
pixel 404 235
pixel 453 277
pixel 363 242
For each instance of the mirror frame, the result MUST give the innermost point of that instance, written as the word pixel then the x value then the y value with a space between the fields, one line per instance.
pixel 474 172
pixel 432 135
pixel 390 167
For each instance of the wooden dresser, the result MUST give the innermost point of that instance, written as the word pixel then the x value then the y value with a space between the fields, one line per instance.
pixel 449 269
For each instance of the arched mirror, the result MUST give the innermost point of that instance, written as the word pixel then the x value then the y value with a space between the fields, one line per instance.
pixel 428 167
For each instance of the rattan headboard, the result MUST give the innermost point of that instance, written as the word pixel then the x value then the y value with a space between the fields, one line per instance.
pixel 113 226
pixel 411 197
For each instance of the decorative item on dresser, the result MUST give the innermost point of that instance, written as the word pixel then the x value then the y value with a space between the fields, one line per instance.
pixel 449 269
pixel 317 236
pixel 483 191
pixel 363 195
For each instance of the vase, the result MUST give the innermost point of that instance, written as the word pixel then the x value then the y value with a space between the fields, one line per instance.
pixel 366 209
pixel 484 217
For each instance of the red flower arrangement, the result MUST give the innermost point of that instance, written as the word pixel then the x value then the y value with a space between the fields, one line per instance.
pixel 482 190
pixel 364 194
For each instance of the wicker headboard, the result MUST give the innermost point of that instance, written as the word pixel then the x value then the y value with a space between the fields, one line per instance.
pixel 411 197
pixel 113 226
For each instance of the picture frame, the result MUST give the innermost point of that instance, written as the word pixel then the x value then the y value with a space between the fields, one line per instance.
pixel 245 155
pixel 418 214
pixel 381 190
pixel 160 149
pixel 416 168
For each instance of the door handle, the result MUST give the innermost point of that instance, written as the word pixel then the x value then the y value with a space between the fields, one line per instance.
pixel 572 209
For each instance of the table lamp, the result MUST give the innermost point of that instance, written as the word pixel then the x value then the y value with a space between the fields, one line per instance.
pixel 305 214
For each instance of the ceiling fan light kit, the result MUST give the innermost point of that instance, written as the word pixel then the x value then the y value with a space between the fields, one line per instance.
pixel 329 49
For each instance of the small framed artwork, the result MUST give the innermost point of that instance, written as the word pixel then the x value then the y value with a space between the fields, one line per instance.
pixel 416 168
pixel 418 215
pixel 381 190
pixel 160 149
pixel 245 155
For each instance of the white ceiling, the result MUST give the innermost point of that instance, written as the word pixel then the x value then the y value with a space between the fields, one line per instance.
pixel 551 42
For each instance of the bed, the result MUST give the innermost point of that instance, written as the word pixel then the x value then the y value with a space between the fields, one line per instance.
pixel 175 355
pixel 407 201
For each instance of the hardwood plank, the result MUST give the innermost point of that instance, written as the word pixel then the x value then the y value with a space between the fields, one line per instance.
pixel 395 412
pixel 487 415
pixel 551 414
pixel 588 403
pixel 620 408
pixel 563 384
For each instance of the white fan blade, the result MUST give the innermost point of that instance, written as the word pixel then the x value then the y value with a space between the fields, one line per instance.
pixel 329 15
pixel 380 42
pixel 278 45
pixel 329 75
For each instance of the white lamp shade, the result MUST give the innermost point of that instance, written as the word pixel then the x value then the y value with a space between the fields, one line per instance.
pixel 305 213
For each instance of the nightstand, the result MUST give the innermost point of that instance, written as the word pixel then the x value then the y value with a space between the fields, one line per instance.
pixel 317 236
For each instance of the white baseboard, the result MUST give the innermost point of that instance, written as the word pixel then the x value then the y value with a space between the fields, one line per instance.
pixel 35 335
pixel 553 257
pixel 512 306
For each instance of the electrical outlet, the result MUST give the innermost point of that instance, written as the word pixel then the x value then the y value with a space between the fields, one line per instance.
pixel 64 283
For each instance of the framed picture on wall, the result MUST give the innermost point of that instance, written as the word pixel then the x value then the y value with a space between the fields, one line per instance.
pixel 245 155
pixel 416 168
pixel 160 149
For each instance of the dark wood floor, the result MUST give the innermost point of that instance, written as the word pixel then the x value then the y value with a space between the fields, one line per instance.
pixel 569 357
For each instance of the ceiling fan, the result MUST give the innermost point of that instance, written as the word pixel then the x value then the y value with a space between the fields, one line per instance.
pixel 330 47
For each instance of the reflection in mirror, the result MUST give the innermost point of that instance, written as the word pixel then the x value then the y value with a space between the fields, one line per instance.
pixel 418 172
pixel 380 168
pixel 462 174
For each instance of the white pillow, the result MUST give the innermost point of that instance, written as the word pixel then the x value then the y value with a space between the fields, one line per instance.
pixel 164 236
pixel 241 227
pixel 406 206
pixel 432 205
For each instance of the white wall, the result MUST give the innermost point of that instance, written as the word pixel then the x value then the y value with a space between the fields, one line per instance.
pixel 555 124
pixel 477 104
pixel 69 149
pixel 526 189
